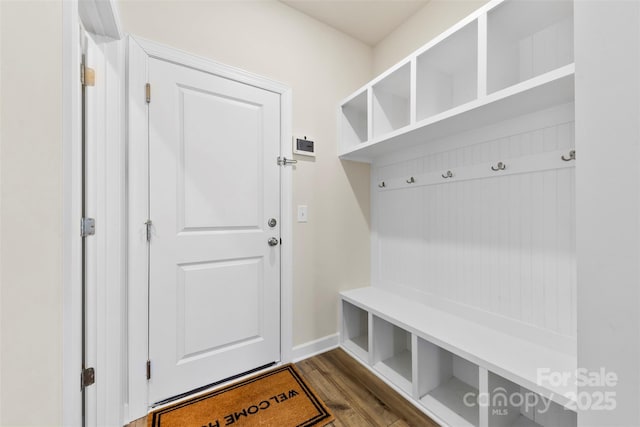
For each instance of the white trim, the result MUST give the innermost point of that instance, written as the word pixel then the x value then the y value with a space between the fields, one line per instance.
pixel 166 53
pixel 71 280
pixel 137 214
pixel 71 210
pixel 286 229
pixel 139 52
pixel 315 347
pixel 100 17
pixel 105 256
pixel 94 197
pixel 106 171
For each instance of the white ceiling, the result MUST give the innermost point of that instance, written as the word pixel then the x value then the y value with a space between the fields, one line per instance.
pixel 369 21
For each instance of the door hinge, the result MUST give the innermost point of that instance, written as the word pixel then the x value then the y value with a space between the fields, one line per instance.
pixel 87 75
pixel 148 223
pixel 148 369
pixel 87 377
pixel 88 227
pixel 147 92
pixel 283 161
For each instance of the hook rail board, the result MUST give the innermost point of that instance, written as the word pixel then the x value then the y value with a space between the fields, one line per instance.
pixel 559 159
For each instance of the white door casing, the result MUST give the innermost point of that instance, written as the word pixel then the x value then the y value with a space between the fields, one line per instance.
pixel 141 53
pixel 214 300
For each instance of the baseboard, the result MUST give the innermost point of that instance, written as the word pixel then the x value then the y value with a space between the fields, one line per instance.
pixel 312 348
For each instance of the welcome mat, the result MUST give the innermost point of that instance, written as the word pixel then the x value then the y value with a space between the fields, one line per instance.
pixel 279 397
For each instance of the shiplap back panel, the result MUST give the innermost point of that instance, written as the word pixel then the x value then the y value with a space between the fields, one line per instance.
pixel 504 245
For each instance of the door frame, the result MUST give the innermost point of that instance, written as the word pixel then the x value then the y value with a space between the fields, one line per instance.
pixel 139 53
pixel 100 19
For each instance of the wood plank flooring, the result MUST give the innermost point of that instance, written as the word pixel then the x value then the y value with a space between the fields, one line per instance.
pixel 356 397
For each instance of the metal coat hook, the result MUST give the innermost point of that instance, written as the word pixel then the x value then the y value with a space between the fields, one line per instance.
pixel 411 180
pixel 499 167
pixel 449 174
pixel 572 156
pixel 382 184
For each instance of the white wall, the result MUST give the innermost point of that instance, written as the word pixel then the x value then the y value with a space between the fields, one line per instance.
pixel 607 56
pixel 427 23
pixel 31 213
pixel 322 66
pixel 499 250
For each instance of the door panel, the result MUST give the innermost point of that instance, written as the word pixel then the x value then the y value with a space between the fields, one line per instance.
pixel 201 283
pixel 237 161
pixel 214 291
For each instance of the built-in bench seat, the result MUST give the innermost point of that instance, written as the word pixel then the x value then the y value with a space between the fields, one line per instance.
pixel 410 343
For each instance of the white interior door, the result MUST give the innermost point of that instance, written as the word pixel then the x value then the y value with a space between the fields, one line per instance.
pixel 214 291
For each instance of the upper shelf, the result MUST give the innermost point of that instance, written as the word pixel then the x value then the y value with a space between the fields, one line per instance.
pixel 510 57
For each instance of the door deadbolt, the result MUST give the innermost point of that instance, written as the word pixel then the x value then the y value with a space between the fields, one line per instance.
pixel 272 222
pixel 273 241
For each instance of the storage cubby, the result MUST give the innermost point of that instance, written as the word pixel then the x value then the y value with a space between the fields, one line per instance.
pixel 355 121
pixel 448 385
pixel 391 101
pixel 527 39
pixel 355 330
pixel 392 353
pixel 447 73
pixel 511 405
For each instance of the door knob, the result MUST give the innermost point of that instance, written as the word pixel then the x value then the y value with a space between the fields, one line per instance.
pixel 273 241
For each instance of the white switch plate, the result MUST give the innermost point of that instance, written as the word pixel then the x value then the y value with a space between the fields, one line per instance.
pixel 303 213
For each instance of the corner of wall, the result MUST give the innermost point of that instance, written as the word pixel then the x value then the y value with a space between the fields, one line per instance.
pixel 434 18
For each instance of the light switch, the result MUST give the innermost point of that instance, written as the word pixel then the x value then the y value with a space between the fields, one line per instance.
pixel 303 213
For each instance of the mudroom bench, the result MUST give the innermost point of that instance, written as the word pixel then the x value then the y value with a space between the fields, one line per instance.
pixel 453 367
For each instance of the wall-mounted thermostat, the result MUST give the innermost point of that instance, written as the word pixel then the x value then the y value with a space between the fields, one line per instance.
pixel 304 146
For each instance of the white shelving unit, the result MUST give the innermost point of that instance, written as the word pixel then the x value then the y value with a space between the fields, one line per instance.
pixel 527 39
pixel 507 59
pixel 392 353
pixel 391 101
pixel 447 385
pixel 355 124
pixel 528 409
pixel 460 308
pixel 438 360
pixel 443 80
pixel 355 327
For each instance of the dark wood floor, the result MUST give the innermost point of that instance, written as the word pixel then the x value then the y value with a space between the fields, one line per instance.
pixel 355 396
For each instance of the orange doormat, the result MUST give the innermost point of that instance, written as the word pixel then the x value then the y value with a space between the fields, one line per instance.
pixel 279 397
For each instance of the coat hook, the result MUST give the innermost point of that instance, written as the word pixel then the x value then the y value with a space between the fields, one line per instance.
pixel 499 167
pixel 411 180
pixel 572 156
pixel 382 184
pixel 449 174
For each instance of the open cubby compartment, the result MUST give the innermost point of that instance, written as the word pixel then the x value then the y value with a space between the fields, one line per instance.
pixel 355 121
pixel 355 330
pixel 511 405
pixel 447 385
pixel 392 101
pixel 447 73
pixel 526 39
pixel 392 353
